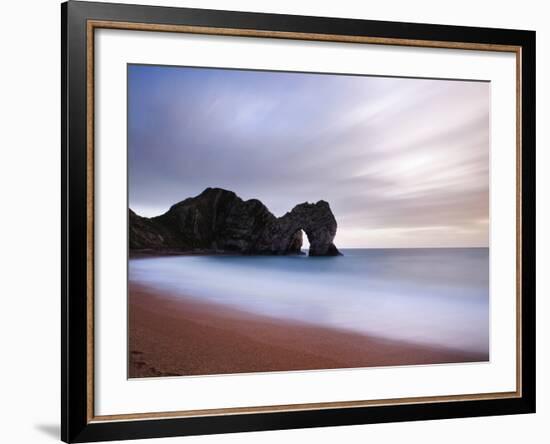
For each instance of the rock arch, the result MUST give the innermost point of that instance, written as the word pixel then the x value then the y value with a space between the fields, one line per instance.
pixel 217 221
pixel 314 219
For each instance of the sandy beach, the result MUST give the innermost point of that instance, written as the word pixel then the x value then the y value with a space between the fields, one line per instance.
pixel 174 336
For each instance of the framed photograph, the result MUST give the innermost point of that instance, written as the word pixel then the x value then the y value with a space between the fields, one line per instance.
pixel 275 221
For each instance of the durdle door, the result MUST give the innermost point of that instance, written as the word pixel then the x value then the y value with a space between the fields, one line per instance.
pixel 218 221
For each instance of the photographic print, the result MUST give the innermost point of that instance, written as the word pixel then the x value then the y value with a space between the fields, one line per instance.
pixel 277 222
pixel 291 221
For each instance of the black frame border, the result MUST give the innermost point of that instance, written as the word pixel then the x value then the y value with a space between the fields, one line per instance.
pixel 75 424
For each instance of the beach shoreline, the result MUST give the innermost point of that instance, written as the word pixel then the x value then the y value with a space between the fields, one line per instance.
pixel 172 335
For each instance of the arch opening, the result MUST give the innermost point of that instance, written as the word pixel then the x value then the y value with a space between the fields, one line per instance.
pixel 299 242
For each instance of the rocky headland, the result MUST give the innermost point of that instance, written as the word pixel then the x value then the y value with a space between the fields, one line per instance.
pixel 218 221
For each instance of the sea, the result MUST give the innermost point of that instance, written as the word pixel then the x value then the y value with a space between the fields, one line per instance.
pixel 437 296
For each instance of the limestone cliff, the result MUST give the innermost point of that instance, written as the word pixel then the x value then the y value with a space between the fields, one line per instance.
pixel 218 221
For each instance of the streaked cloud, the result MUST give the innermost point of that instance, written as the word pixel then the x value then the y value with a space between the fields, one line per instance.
pixel 403 162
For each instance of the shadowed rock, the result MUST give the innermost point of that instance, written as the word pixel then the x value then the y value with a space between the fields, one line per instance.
pixel 284 235
pixel 218 221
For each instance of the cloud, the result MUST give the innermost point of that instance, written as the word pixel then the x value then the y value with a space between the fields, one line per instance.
pixel 403 162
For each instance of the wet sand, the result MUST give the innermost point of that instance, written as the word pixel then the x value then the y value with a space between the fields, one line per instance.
pixel 175 336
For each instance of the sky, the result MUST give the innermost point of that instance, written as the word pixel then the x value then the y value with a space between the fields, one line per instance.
pixel 402 162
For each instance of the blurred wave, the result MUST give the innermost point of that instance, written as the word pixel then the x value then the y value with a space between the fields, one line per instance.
pixel 435 296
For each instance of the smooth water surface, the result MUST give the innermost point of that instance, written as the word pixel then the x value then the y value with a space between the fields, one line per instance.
pixel 436 296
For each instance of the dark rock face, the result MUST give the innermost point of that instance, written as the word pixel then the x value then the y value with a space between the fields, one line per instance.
pixel 284 235
pixel 218 221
